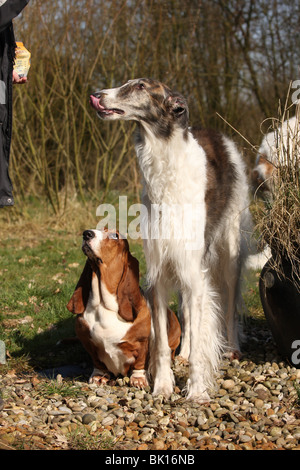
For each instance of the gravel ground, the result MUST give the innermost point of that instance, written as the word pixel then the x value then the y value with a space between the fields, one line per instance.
pixel 255 406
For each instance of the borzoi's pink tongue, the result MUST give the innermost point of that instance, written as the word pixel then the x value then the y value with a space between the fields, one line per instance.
pixel 95 102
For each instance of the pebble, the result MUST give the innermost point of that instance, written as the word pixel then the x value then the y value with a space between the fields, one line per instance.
pixel 108 421
pixel 254 406
pixel 275 431
pixel 88 418
pixel 245 438
pixel 228 384
pixel 259 403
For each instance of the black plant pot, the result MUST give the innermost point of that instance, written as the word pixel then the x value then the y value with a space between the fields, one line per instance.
pixel 281 303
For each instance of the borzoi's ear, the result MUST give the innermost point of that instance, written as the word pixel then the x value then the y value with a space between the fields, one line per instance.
pixel 178 107
pixel 178 104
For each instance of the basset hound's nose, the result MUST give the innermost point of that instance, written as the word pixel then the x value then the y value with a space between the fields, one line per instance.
pixel 88 235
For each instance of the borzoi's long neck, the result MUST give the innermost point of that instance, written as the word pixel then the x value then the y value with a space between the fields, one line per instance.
pixel 163 160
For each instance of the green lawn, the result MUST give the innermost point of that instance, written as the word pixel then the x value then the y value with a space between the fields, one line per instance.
pixel 36 282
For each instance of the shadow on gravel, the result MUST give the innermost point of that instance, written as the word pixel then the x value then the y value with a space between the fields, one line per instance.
pixel 258 344
pixel 55 351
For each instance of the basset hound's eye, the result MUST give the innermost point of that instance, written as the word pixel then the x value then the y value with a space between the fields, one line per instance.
pixel 113 236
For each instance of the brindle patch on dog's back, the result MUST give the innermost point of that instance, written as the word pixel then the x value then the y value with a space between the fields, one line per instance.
pixel 221 175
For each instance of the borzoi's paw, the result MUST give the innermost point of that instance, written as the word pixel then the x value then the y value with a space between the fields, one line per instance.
pixel 164 384
pixel 164 389
pixel 196 393
pixel 199 398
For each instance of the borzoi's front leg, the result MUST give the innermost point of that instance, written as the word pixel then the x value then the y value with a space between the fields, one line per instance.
pixel 206 342
pixel 163 375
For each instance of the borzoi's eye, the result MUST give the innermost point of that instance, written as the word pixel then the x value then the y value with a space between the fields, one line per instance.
pixel 140 86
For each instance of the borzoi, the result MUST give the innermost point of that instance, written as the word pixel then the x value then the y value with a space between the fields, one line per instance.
pixel 202 170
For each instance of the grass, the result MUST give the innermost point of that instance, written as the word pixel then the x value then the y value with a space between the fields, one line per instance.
pixel 54 387
pixel 40 264
pixel 84 439
pixel 36 280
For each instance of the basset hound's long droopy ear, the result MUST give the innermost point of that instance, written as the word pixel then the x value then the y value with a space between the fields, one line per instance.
pixel 80 297
pixel 128 293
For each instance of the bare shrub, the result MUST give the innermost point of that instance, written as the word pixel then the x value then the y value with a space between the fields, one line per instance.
pixel 212 52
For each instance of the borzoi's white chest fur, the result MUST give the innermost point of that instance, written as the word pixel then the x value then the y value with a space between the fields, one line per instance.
pixel 107 328
pixel 167 166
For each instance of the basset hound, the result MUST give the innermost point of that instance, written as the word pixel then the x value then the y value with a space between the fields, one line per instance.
pixel 113 317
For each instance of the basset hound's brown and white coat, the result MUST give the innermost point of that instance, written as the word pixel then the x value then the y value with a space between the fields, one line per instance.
pixel 113 318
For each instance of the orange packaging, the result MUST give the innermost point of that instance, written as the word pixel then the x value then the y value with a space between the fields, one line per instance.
pixel 22 60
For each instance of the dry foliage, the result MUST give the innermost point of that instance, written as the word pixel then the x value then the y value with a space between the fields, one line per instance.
pixel 279 220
